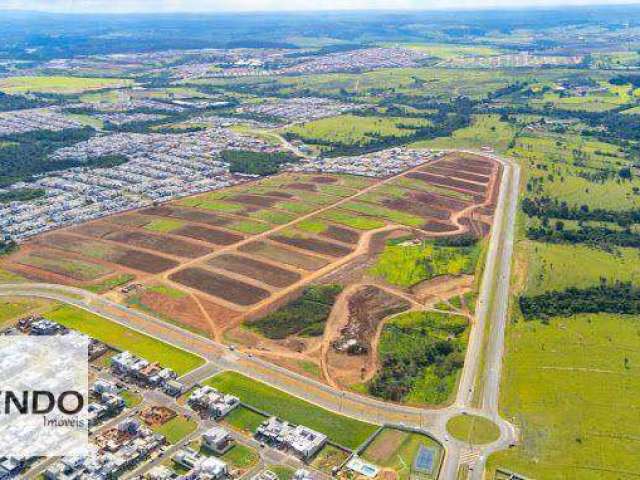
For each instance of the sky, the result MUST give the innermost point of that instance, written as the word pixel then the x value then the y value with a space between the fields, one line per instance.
pixel 159 6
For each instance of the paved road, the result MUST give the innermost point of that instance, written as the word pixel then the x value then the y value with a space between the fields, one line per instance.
pixel 433 421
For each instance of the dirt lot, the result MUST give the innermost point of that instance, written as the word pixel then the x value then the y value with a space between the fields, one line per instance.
pixel 264 272
pixel 447 182
pixel 417 208
pixel 55 262
pixel 323 179
pixel 255 200
pixel 197 216
pixel 160 244
pixel 307 187
pixel 341 234
pixel 184 310
pixel 143 261
pixel 452 172
pixel 314 245
pixel 217 285
pixel 211 235
pixel 437 201
pixel 277 253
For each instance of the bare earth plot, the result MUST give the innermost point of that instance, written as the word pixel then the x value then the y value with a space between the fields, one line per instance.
pixel 216 262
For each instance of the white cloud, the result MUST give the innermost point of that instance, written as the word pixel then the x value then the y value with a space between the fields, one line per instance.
pixel 120 6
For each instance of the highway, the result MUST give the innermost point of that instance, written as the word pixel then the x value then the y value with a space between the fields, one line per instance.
pixel 492 307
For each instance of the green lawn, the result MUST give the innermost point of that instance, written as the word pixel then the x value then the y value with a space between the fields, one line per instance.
pixel 343 430
pixel 473 429
pixel 572 388
pixel 176 429
pixel 283 472
pixel 245 420
pixel 122 338
pixel 131 399
pixel 241 456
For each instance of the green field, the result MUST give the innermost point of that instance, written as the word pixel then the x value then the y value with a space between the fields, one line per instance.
pixel 421 354
pixel 245 420
pixel 473 429
pixel 571 386
pixel 359 222
pixel 406 265
pixel 110 283
pixel 343 430
pixel 355 130
pixel 176 429
pixel 396 450
pixel 484 130
pixel 122 338
pixel 163 225
pixel 76 269
pixel 241 456
pixel 58 84
pixel 554 266
pixel 12 309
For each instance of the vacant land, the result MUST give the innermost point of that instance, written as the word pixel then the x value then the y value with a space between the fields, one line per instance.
pixel 53 84
pixel 570 387
pixel 343 430
pixel 420 356
pixel 406 265
pixel 304 316
pixel 122 338
pixel 553 266
pixel 354 130
pixel 176 429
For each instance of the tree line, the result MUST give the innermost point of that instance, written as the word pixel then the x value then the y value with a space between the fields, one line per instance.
pixel 546 207
pixel 618 298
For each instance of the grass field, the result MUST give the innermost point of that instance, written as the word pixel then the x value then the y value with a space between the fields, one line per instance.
pixel 245 420
pixel 355 130
pixel 10 277
pixel 123 338
pixel 396 450
pixel 571 386
pixel 484 130
pixel 74 268
pixel 241 457
pixel 176 429
pixel 58 84
pixel 13 308
pixel 110 283
pixel 473 429
pixel 347 219
pixel 343 430
pixel 407 265
pixel 553 266
pixel 163 225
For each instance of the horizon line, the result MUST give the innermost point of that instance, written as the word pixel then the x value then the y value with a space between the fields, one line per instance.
pixel 478 8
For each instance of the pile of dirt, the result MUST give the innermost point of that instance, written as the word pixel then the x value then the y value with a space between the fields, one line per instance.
pixel 367 308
